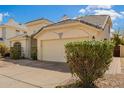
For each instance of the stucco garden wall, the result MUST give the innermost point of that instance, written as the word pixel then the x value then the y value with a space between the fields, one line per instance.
pixel 122 51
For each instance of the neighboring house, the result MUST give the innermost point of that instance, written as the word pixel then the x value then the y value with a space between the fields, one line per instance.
pixel 9 30
pixel 13 33
pixel 52 38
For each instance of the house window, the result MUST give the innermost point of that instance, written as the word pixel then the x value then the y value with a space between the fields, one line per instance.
pixel 17 44
pixel 17 32
pixel 4 33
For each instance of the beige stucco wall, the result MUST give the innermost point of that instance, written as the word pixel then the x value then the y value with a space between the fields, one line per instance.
pixel 10 32
pixel 104 34
pixel 0 32
pixel 122 51
pixel 36 25
pixel 69 31
pixel 26 44
pixel 51 48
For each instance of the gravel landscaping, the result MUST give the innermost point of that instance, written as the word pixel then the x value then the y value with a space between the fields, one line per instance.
pixel 108 81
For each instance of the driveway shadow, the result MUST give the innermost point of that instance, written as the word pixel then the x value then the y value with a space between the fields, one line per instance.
pixel 55 66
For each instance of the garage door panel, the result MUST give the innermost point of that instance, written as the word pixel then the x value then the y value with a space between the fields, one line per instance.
pixel 54 50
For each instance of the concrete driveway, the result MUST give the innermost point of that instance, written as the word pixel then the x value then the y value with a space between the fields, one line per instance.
pixel 29 74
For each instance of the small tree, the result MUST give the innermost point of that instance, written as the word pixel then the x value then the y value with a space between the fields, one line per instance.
pixel 34 53
pixel 89 60
pixel 3 49
pixel 15 52
pixel 116 39
pixel 122 41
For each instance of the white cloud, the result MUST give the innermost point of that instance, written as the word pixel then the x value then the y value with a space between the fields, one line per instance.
pixel 101 10
pixel 122 12
pixel 2 15
pixel 112 13
pixel 6 14
pixel 82 11
pixel 115 24
pixel 90 7
pixel 112 30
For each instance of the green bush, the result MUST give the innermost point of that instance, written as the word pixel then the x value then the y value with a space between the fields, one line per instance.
pixel 3 49
pixel 122 42
pixel 15 52
pixel 34 53
pixel 89 60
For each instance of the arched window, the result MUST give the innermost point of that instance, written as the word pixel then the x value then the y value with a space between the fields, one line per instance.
pixel 17 44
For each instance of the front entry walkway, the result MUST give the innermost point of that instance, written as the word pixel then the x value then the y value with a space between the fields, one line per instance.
pixel 115 67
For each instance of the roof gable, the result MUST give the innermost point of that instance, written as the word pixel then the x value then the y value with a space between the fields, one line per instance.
pixel 13 23
pixel 96 20
pixel 38 20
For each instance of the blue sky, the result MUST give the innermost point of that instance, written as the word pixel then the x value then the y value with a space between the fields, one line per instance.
pixel 54 13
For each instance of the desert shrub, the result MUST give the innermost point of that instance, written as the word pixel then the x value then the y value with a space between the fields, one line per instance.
pixel 89 60
pixel 34 53
pixel 15 52
pixel 117 40
pixel 122 41
pixel 3 49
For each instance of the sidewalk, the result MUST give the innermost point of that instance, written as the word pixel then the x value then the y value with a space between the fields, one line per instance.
pixel 115 67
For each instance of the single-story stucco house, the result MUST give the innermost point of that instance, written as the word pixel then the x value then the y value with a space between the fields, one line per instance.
pixel 49 38
pixel 52 38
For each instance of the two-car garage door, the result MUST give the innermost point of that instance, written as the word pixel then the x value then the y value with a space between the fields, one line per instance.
pixel 54 50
